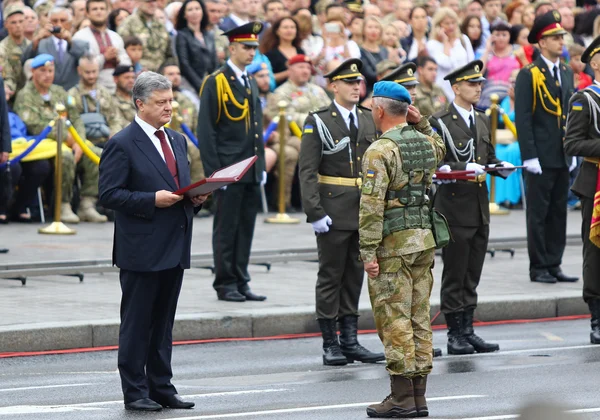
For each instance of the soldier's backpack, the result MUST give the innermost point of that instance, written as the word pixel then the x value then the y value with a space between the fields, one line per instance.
pixel 95 124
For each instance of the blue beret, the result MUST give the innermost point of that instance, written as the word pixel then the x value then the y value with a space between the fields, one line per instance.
pixel 256 67
pixel 41 60
pixel 391 90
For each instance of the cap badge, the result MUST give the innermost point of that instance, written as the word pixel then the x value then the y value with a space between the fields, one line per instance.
pixel 556 15
pixel 477 68
pixel 257 27
pixel 354 67
pixel 410 72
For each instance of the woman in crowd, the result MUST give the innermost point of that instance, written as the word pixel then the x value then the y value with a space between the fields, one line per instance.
pixel 116 17
pixel 523 49
pixel 528 16
pixel 514 12
pixel 390 42
pixel 416 43
pixel 356 29
pixel 371 51
pixel 280 43
pixel 311 43
pixel 471 27
pixel 337 47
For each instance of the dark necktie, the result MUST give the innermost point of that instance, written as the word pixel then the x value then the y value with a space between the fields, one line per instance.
pixel 353 129
pixel 557 81
pixel 472 127
pixel 169 158
pixel 245 78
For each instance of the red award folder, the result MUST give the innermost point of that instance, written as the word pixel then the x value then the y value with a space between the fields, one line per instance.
pixel 222 177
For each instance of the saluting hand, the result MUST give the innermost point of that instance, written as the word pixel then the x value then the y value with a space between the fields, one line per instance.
pixel 414 115
pixel 164 199
pixel 372 268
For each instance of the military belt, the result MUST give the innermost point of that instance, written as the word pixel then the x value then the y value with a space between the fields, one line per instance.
pixel 336 180
pixel 595 161
pixel 478 178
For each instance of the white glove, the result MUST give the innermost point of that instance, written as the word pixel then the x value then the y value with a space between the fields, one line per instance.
pixel 223 188
pixel 476 167
pixel 322 225
pixel 533 166
pixel 506 172
pixel 445 168
pixel 573 164
pixel 263 181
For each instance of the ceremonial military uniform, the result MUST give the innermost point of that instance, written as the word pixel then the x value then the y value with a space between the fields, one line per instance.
pixel 430 101
pixel 466 207
pixel 541 107
pixel 583 139
pixel 108 108
pixel 330 177
pixel 231 131
pixel 395 231
pixel 154 37
pixel 300 100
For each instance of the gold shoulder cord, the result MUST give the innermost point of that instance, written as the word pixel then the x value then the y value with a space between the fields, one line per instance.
pixel 225 94
pixel 539 88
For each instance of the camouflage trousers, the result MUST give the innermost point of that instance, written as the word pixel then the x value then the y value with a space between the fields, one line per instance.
pixel 89 175
pixel 291 154
pixel 400 300
pixel 196 168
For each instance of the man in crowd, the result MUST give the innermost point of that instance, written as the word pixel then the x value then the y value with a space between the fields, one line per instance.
pixel 12 48
pixel 542 93
pixel 213 9
pixel 124 80
pixel 334 139
pixel 35 105
pixel 238 16
pixel 430 97
pixel 274 11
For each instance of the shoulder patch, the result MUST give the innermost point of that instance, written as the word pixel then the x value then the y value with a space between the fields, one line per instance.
pixel 576 106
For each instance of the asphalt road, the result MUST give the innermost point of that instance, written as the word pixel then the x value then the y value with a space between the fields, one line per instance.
pixel 550 362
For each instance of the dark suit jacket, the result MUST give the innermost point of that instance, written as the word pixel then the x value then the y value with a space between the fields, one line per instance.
pixel 464 203
pixel 6 140
pixel 195 59
pixel 341 203
pixel 147 238
pixel 226 142
pixel 227 24
pixel 541 134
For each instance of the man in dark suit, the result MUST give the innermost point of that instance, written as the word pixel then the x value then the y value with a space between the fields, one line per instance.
pixel 230 130
pixel 140 168
pixel 583 139
pixel 542 95
pixel 334 140
pixel 465 204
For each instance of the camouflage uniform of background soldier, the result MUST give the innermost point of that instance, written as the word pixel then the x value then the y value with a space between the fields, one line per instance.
pixel 186 111
pixel 10 55
pixel 36 113
pixel 395 233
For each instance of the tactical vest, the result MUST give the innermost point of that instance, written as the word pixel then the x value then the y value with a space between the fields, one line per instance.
pixel 417 158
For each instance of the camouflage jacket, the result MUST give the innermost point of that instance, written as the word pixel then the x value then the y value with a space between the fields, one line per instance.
pixel 10 61
pixel 430 101
pixel 300 99
pixel 187 111
pixel 382 169
pixel 108 106
pixel 126 109
pixel 154 37
pixel 36 112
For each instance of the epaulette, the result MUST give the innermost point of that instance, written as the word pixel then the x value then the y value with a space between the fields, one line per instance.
pixel 441 114
pixel 529 66
pixel 364 108
pixel 322 109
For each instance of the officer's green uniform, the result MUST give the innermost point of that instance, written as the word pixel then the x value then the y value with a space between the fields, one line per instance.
pixel 583 139
pixel 395 231
pixel 36 113
pixel 231 131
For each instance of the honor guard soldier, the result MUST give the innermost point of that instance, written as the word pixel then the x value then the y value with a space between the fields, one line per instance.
pixel 583 139
pixel 542 93
pixel 465 204
pixel 231 131
pixel 334 140
pixel 397 247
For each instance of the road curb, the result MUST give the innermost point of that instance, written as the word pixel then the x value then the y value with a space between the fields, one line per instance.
pixel 260 323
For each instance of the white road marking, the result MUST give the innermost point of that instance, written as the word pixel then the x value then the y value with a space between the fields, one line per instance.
pixel 26 388
pixel 503 352
pixel 514 416
pixel 316 408
pixel 551 337
pixel 43 409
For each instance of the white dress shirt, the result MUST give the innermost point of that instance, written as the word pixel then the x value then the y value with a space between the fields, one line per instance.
pixel 465 114
pixel 238 72
pixel 149 130
pixel 238 20
pixel 346 114
pixel 551 66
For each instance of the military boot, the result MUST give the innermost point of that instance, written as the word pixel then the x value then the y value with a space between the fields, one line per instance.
pixel 67 215
pixel 349 343
pixel 594 305
pixel 457 342
pixel 332 355
pixel 400 404
pixel 420 387
pixel 88 213
pixel 478 343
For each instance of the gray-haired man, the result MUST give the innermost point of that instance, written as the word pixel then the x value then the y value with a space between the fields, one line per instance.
pixel 140 168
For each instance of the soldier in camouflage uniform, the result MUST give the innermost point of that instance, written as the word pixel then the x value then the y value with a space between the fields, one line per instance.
pixel 12 48
pixel 35 104
pixel 301 97
pixel 152 33
pixel 398 248
pixel 89 90
pixel 124 79
pixel 430 97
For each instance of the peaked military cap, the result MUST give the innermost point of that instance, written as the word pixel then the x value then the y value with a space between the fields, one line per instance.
pixel 42 60
pixel 547 24
pixel 470 73
pixel 385 65
pixel 119 70
pixel 591 50
pixel 246 34
pixel 13 9
pixel 391 90
pixel 405 75
pixel 348 71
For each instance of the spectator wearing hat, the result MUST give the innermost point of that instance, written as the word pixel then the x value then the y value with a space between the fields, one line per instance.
pixel 334 140
pixel 301 97
pixel 124 77
pixel 542 95
pixel 35 105
pixel 12 49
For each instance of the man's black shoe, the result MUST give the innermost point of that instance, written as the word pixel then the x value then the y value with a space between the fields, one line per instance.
pixel 175 401
pixel 231 296
pixel 543 278
pixel 144 404
pixel 251 296
pixel 562 277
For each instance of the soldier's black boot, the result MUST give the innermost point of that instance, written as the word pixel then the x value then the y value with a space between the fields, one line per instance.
pixel 478 343
pixel 594 306
pixel 349 345
pixel 420 387
pixel 400 404
pixel 457 342
pixel 332 355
